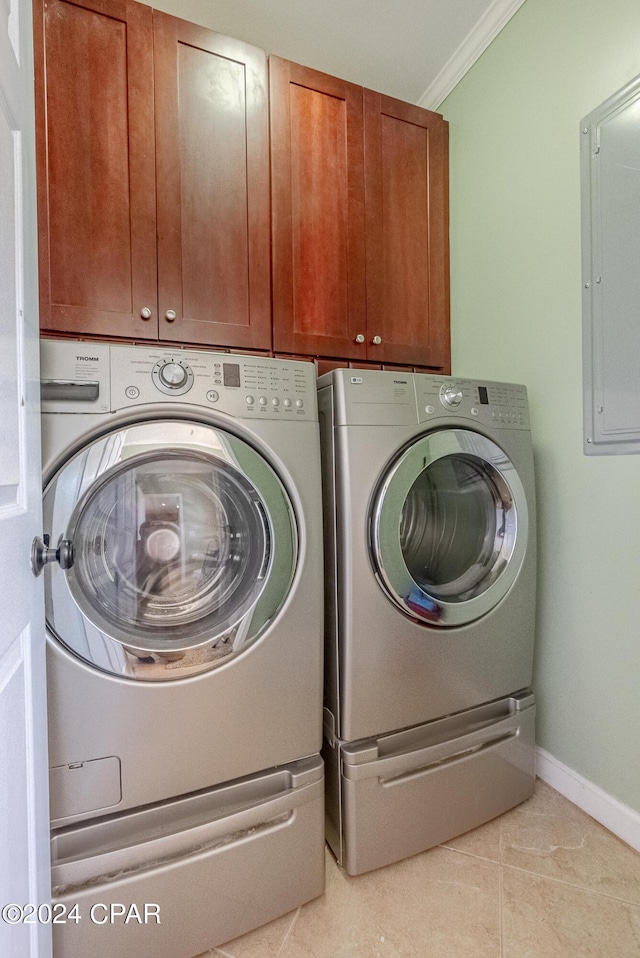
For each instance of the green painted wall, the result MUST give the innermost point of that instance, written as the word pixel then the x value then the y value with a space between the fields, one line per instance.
pixel 516 315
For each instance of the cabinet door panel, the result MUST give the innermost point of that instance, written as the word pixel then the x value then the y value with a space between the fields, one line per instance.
pixel 406 170
pixel 213 187
pixel 318 212
pixel 96 188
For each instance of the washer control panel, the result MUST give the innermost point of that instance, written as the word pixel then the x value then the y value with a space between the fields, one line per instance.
pixel 78 377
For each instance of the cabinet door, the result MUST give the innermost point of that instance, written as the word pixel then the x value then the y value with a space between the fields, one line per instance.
pixel 406 175
pixel 212 168
pixel 317 212
pixel 96 178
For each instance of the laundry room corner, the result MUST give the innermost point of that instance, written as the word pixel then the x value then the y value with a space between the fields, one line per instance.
pixel 516 316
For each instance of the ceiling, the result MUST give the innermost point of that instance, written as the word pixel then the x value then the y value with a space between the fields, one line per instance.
pixel 415 50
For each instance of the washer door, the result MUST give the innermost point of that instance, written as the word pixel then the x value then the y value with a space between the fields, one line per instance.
pixel 185 549
pixel 449 527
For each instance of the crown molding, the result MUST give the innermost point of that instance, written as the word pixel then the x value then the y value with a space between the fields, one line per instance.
pixel 495 17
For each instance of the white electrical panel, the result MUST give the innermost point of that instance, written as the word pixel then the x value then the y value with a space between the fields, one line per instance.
pixel 610 190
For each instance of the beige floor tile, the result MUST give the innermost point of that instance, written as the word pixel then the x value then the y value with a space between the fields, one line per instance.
pixel 440 904
pixel 551 837
pixel 542 918
pixel 484 842
pixel 264 942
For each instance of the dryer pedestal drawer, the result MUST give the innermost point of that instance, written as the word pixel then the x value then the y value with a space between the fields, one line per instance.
pixel 405 792
pixel 178 878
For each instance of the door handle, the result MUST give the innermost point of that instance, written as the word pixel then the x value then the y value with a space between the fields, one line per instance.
pixel 42 554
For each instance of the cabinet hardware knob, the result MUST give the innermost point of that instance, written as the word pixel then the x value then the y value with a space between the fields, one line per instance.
pixel 376 340
pixel 170 315
pixel 359 338
pixel 145 312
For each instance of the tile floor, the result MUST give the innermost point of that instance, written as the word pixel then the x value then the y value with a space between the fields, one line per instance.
pixel 542 881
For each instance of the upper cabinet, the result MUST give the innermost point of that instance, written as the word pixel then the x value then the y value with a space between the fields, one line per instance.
pixel 212 168
pixel 96 168
pixel 360 222
pixel 407 232
pixel 179 185
pixel 318 249
pixel 153 177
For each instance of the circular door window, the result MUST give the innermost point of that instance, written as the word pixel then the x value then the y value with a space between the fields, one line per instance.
pixel 185 549
pixel 449 528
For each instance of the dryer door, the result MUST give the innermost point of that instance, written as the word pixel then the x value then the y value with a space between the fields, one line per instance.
pixel 185 549
pixel 449 527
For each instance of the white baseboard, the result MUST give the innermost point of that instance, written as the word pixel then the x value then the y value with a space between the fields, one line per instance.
pixel 618 818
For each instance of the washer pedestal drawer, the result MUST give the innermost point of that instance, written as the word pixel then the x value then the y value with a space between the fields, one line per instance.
pixel 399 794
pixel 180 877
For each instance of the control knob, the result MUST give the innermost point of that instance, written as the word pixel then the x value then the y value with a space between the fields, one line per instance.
pixel 173 375
pixel 451 395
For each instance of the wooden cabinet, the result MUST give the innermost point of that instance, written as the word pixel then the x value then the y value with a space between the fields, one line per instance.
pixel 407 232
pixel 96 176
pixel 160 217
pixel 153 171
pixel 359 222
pixel 212 164
pixel 318 248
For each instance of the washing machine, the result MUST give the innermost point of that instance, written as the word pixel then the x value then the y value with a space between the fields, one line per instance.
pixel 183 591
pixel 430 603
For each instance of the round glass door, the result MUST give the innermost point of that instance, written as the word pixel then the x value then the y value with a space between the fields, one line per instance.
pixel 185 548
pixel 449 528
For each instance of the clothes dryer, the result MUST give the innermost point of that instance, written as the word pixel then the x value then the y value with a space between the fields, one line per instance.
pixel 430 603
pixel 182 499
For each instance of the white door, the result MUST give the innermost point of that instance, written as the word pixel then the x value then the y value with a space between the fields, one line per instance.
pixel 24 855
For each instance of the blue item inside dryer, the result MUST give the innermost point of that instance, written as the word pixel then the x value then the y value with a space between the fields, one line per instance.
pixel 423 605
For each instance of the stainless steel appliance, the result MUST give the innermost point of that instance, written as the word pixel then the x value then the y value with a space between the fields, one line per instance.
pixel 182 493
pixel 430 595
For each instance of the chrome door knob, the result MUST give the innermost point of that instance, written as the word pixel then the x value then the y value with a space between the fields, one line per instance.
pixel 359 338
pixel 376 340
pixel 170 315
pixel 145 312
pixel 42 554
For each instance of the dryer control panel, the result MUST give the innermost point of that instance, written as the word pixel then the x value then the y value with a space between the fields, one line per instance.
pixel 384 398
pixel 99 378
pixel 490 403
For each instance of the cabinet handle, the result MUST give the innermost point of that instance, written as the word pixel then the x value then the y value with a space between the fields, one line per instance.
pixel 359 338
pixel 145 312
pixel 170 315
pixel 376 340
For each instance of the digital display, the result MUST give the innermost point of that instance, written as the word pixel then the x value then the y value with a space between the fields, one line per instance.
pixel 231 374
pixel 482 393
